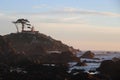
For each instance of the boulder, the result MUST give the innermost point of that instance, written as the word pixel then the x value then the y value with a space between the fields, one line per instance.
pixel 111 69
pixel 88 54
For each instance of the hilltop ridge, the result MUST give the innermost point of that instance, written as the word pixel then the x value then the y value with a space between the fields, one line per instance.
pixel 37 43
pixel 25 48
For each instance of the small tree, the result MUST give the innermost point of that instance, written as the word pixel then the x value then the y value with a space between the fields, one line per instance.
pixel 23 22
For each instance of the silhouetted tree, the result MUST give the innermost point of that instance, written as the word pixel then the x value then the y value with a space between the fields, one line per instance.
pixel 14 22
pixel 23 22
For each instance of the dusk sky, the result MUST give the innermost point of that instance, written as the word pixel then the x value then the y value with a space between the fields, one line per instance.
pixel 83 24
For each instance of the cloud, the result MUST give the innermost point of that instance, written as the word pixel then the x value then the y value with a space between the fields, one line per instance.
pixel 50 18
pixel 63 15
pixel 85 12
pixel 73 11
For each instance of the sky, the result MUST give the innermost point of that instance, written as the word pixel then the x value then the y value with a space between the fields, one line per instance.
pixel 83 24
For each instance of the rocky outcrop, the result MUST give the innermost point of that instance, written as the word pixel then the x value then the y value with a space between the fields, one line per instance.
pixel 110 69
pixel 115 59
pixel 6 51
pixel 36 43
pixel 5 46
pixel 88 54
pixel 81 64
pixel 27 48
pixel 8 55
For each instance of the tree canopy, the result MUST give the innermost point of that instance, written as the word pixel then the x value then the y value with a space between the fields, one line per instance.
pixel 23 22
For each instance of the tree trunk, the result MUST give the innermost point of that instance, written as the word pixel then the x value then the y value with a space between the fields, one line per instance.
pixel 17 28
pixel 22 27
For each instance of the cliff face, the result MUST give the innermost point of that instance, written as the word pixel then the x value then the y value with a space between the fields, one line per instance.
pixel 35 43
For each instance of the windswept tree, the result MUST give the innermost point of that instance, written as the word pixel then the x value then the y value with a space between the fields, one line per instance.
pixel 14 22
pixel 23 22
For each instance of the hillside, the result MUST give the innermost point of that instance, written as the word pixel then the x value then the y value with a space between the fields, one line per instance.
pixel 36 43
pixel 25 48
pixel 9 55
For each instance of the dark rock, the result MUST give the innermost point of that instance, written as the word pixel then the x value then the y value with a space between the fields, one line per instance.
pixel 35 47
pixel 36 43
pixel 60 58
pixel 115 59
pixel 88 54
pixel 8 55
pixel 111 69
pixel 81 64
